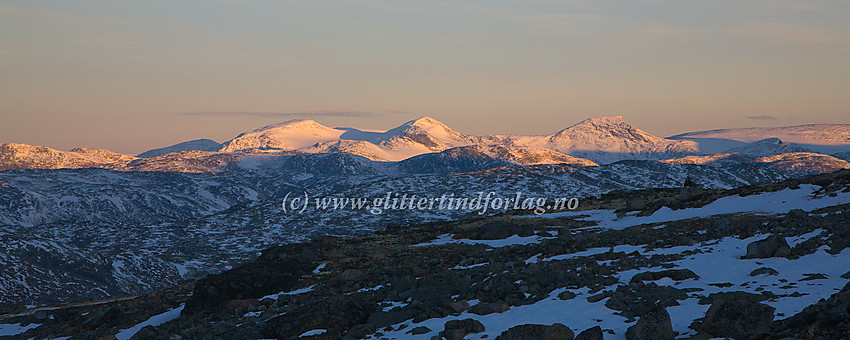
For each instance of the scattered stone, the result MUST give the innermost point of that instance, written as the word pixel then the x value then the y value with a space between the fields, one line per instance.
pixel 601 295
pixel 593 333
pixel 815 276
pixel 674 274
pixel 459 306
pixel 351 275
pixel 655 325
pixel 419 330
pixel 484 308
pixel 566 295
pixel 537 332
pixel 764 271
pixel 457 329
pixel 635 203
pixel 826 319
pixel 737 319
pixel 737 295
pixel 147 332
pixel 637 299
pixel 772 246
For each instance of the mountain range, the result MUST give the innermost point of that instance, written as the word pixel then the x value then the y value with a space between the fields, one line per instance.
pixel 94 224
pixel 598 140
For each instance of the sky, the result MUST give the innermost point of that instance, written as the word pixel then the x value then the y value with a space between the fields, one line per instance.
pixel 134 75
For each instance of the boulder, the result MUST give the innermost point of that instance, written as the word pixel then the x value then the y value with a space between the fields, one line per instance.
pixel 457 329
pixel 593 333
pixel 655 325
pixel 714 298
pixel 827 319
pixel 772 246
pixel 537 332
pixel 419 330
pixel 674 274
pixel 484 308
pixel 737 319
pixel 764 271
pixel 601 295
pixel 635 203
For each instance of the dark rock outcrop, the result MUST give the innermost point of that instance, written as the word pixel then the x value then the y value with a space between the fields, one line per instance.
pixel 827 319
pixel 772 246
pixel 655 325
pixel 457 329
pixel 764 271
pixel 537 332
pixel 592 333
pixel 737 319
pixel 674 274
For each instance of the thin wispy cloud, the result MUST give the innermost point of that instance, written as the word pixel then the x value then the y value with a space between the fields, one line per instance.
pixel 763 117
pixel 320 113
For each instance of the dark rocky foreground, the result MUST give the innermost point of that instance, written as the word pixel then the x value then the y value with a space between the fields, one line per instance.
pixel 400 283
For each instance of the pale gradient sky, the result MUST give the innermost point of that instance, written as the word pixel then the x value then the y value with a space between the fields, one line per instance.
pixel 134 75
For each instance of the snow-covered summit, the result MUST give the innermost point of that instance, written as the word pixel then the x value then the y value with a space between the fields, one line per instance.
pixel 289 135
pixel 24 156
pixel 768 147
pixel 609 139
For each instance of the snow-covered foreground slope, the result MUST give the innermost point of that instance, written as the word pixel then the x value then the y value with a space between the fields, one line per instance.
pixel 493 274
pixel 805 197
pixel 182 225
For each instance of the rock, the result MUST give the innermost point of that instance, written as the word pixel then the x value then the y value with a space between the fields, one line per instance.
pixel 797 214
pixel 593 333
pixel 772 246
pixel 335 314
pixel 675 274
pixel 501 229
pixel 637 299
pixel 808 246
pixel 655 325
pixel 147 332
pixel 846 276
pixel 764 271
pixel 635 203
pixel 41 314
pixel 484 308
pixel 566 295
pixel 737 319
pixel 459 306
pixel 419 330
pixel 816 276
pixel 457 329
pixel 537 332
pixel 736 295
pixel 601 295
pixel 827 319
pixel 351 275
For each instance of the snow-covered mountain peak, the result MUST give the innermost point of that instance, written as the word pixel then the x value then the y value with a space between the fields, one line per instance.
pixel 609 139
pixel 768 147
pixel 427 132
pixel 289 135
pixel 603 120
pixel 425 122
pixel 300 124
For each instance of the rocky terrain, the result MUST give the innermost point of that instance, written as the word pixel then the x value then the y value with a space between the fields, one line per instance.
pixel 762 261
pixel 129 232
